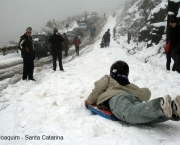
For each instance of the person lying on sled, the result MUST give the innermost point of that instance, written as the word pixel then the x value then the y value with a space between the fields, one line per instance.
pixel 128 102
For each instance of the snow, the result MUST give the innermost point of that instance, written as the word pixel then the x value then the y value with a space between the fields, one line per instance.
pixel 159 24
pixel 54 104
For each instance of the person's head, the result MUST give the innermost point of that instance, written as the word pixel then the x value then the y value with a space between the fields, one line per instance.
pixel 108 29
pixel 55 30
pixel 173 22
pixel 28 31
pixel 120 67
pixel 64 34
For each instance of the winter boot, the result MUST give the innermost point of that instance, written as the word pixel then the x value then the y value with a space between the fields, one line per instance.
pixel 176 106
pixel 165 104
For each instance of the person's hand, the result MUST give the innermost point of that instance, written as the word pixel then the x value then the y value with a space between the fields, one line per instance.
pixel 86 103
pixel 27 49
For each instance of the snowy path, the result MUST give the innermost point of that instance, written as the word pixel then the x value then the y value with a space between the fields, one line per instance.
pixel 53 105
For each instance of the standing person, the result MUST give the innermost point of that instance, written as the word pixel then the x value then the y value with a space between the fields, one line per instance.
pixel 77 42
pixel 66 44
pixel 94 30
pixel 128 102
pixel 174 49
pixel 91 30
pixel 108 37
pixel 114 31
pixel 28 54
pixel 56 40
pixel 105 39
pixel 129 37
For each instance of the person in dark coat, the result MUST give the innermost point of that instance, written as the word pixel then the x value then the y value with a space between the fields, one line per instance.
pixel 129 37
pixel 28 54
pixel 105 39
pixel 114 31
pixel 108 37
pixel 56 40
pixel 77 42
pixel 174 50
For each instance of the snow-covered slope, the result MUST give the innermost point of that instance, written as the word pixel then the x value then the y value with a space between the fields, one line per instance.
pixel 53 105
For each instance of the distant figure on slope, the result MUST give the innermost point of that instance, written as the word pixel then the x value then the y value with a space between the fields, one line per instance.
pixel 108 35
pixel 92 30
pixel 128 102
pixel 77 42
pixel 174 50
pixel 128 37
pixel 105 39
pixel 114 32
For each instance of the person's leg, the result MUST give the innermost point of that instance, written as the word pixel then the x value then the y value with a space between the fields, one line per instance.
pixel 106 44
pixel 77 50
pixel 60 60
pixel 168 61
pixel 25 68
pixel 31 68
pixel 65 52
pixel 54 60
pixel 130 109
pixel 178 63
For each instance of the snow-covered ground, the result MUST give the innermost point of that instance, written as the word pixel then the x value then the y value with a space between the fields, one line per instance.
pixel 54 104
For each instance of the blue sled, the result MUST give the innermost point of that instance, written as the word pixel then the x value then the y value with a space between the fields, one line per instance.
pixel 103 113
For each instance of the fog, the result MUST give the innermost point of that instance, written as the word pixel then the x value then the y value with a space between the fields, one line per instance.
pixel 17 15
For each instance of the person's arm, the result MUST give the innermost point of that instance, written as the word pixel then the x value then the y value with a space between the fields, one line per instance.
pixel 23 45
pixel 143 94
pixel 100 87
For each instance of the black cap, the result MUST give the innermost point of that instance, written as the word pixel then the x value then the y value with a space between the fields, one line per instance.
pixel 120 67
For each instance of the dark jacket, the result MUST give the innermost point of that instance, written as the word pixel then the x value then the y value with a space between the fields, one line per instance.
pixel 129 36
pixel 26 42
pixel 56 41
pixel 77 42
pixel 108 36
pixel 174 39
pixel 105 38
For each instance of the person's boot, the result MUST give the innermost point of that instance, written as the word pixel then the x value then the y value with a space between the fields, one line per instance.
pixel 24 78
pixel 165 104
pixel 31 79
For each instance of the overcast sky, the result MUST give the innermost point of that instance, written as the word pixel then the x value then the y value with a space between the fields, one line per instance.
pixel 17 15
